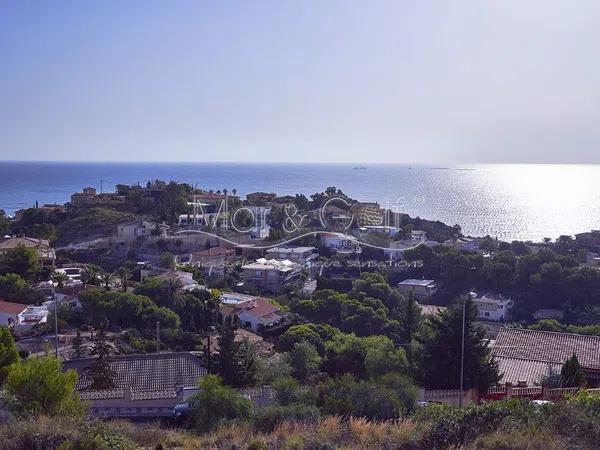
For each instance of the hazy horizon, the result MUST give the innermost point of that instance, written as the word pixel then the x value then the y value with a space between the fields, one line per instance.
pixel 404 82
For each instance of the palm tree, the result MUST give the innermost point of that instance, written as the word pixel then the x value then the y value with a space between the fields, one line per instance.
pixel 60 279
pixel 106 278
pixel 124 275
pixel 234 191
pixel 89 274
pixel 173 287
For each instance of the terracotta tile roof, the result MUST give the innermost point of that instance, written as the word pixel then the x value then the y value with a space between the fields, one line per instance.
pixel 256 306
pixel 215 251
pixel 150 372
pixel 11 308
pixel 547 346
pixel 514 370
pixel 262 307
pixel 13 242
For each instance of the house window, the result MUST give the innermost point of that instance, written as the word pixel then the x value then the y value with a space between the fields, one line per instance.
pixel 487 314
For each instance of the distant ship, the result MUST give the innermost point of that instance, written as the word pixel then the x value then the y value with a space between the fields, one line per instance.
pixel 359 168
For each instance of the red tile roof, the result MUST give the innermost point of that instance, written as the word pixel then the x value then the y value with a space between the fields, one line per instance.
pixel 515 370
pixel 258 307
pixel 11 308
pixel 216 251
pixel 548 347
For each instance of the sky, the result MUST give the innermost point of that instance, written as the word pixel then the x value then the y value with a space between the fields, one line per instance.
pixel 449 81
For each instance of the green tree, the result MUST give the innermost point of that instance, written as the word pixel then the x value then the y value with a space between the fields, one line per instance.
pixel 300 333
pixel 4 223
pixel 38 386
pixel 106 279
pixel 440 361
pixel 247 364
pixel 11 285
pixel 60 279
pixel 9 354
pixel 90 274
pixel 305 361
pixel 167 260
pixel 363 357
pixel 500 276
pixel 22 260
pixel 77 349
pixel 226 360
pixel 124 275
pixel 409 317
pixel 100 373
pixel 571 373
pixel 217 403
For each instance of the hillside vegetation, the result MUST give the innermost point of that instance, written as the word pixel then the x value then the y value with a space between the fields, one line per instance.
pixel 509 424
pixel 91 223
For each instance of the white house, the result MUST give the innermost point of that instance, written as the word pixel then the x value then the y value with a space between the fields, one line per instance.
pixel 72 273
pixel 255 313
pixel 299 255
pixel 133 230
pixel 397 248
pixel 492 307
pixel 185 279
pixel 464 244
pixel 261 228
pixel 32 315
pixel 421 288
pixel 340 243
pixel 381 229
pixel 19 316
pixel 271 275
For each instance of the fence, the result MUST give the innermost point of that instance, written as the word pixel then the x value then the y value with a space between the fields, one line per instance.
pixel 533 393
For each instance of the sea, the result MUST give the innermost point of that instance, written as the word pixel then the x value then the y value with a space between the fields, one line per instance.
pixel 508 201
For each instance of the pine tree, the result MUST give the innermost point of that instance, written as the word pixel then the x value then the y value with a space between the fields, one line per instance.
pixel 100 372
pixel 226 360
pixel 77 349
pixel 410 318
pixel 440 360
pixel 571 373
pixel 8 352
pixel 247 365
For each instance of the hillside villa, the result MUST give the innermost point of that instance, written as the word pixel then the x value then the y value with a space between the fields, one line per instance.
pixel 421 288
pixel 45 252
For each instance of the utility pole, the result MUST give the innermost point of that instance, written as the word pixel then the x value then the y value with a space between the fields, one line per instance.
pixel 208 355
pixel 55 320
pixel 462 355
pixel 157 336
pixel 101 186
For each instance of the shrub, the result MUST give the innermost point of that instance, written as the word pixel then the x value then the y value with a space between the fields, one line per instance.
pixel 267 418
pixel 216 403
pixel 39 386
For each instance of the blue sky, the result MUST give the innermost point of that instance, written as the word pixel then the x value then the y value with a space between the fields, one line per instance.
pixel 399 81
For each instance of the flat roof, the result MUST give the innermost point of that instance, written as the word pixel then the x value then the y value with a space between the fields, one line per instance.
pixel 291 249
pixel 414 282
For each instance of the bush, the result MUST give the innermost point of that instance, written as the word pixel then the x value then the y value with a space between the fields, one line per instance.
pixel 216 403
pixel 39 386
pixel 345 396
pixel 450 426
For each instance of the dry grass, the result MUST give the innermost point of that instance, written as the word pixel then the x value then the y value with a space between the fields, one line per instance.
pixel 328 433
pixel 520 440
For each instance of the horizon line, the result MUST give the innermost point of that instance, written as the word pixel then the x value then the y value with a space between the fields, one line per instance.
pixel 407 163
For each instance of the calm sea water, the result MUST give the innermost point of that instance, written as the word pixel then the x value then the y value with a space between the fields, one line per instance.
pixel 507 201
